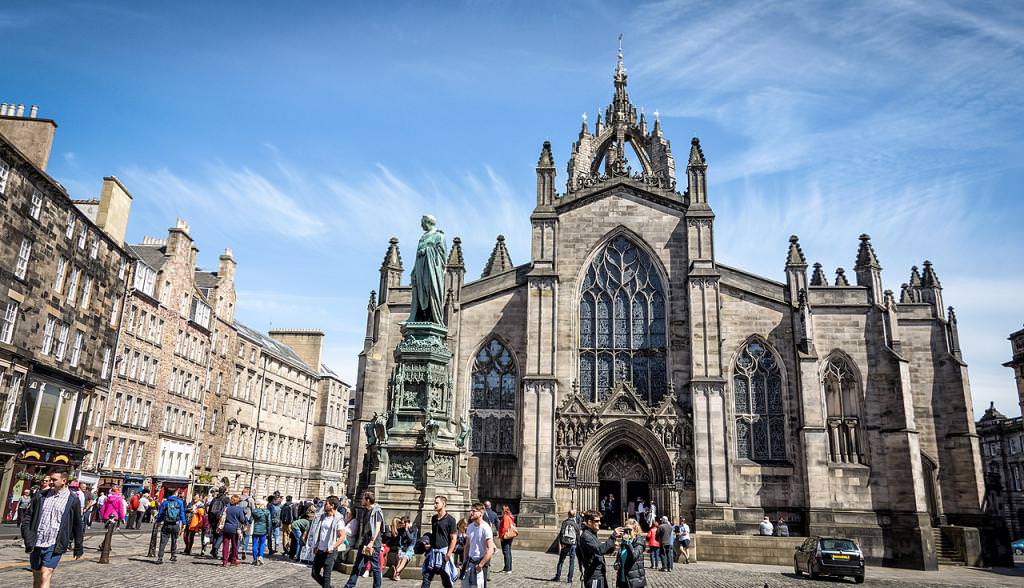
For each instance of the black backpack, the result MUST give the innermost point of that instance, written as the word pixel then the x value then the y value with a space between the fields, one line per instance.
pixel 287 513
pixel 217 506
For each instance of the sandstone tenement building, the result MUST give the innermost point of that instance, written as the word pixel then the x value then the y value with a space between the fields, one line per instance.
pixel 1002 451
pixel 623 358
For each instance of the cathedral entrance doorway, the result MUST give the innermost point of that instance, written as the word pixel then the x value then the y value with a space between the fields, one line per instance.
pixel 625 476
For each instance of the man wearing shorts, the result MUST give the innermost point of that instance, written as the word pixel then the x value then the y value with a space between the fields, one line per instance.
pixel 56 523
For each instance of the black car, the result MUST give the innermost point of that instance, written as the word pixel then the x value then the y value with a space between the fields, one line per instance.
pixel 832 556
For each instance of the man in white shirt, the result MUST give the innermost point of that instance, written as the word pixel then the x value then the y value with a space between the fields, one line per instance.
pixel 478 549
pixel 328 536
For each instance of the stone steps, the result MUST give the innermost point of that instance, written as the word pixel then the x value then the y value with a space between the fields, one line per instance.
pixel 946 554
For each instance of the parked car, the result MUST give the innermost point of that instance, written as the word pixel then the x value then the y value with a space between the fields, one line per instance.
pixel 832 556
pixel 1018 547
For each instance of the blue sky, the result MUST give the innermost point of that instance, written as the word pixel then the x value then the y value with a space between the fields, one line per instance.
pixel 303 139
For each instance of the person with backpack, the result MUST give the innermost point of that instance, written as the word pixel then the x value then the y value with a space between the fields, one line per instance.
pixel 214 515
pixel 653 546
pixel 260 530
pixel 288 513
pixel 568 537
pixel 274 532
pixel 507 532
pixel 172 518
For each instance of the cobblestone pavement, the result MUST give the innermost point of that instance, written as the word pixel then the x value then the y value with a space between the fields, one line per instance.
pixel 130 569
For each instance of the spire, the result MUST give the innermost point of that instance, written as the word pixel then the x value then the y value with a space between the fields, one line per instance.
pixel 455 257
pixel 545 159
pixel 930 280
pixel 584 132
pixel 796 254
pixel 393 258
pixel 866 257
pixel 841 277
pixel 696 153
pixel 499 261
pixel 915 277
pixel 818 277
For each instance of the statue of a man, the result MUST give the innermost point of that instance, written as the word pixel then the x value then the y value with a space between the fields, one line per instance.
pixel 428 275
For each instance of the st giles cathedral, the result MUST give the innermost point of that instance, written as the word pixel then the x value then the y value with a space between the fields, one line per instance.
pixel 623 359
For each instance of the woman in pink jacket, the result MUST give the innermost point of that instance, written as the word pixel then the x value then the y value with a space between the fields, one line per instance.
pixel 113 507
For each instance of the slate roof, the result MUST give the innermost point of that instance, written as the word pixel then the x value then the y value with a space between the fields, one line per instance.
pixel 279 349
pixel 328 372
pixel 151 255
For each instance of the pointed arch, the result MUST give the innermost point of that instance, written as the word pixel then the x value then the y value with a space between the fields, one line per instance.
pixel 494 385
pixel 842 393
pixel 622 318
pixel 759 403
pixel 629 434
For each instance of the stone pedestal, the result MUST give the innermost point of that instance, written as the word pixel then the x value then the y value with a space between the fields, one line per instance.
pixel 419 446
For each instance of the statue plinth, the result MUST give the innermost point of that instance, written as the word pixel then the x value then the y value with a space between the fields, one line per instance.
pixel 421 447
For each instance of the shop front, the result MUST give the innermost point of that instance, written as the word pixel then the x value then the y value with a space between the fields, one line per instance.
pixel 166 485
pixel 131 485
pixel 35 461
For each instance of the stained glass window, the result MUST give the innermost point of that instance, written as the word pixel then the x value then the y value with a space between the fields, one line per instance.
pixel 760 423
pixel 493 399
pixel 622 324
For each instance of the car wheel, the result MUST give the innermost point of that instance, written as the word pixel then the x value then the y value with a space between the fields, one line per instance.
pixel 796 567
pixel 859 579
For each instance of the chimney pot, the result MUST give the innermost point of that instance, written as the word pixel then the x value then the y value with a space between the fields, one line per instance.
pixel 3 109
pixel 34 111
pixel 21 110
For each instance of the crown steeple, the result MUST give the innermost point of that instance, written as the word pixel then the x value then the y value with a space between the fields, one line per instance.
pixel 603 155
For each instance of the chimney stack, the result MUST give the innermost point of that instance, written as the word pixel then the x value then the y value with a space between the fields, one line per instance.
pixel 32 136
pixel 115 204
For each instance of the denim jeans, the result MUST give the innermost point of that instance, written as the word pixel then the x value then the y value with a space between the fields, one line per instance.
pixel 360 565
pixel 566 551
pixel 668 554
pixel 506 554
pixel 259 546
pixel 323 565
pixel 168 532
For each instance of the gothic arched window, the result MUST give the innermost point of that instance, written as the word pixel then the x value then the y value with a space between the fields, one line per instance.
pixel 760 424
pixel 622 324
pixel 493 399
pixel 841 401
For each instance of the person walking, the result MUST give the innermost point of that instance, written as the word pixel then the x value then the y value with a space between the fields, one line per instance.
pixel 195 514
pixel 443 531
pixel 133 510
pixel 231 523
pixel 260 528
pixel 478 549
pixel 592 551
pixel 327 538
pixel 24 504
pixel 171 517
pixel 507 532
pixel 214 514
pixel 248 504
pixel 630 572
pixel 88 505
pixel 781 528
pixel 113 507
pixel 369 541
pixel 288 515
pixel 666 536
pixel 568 536
pixel 653 546
pixel 139 512
pixel 683 536
pixel 298 530
pixel 54 524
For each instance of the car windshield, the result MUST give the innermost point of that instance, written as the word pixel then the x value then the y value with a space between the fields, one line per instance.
pixel 837 545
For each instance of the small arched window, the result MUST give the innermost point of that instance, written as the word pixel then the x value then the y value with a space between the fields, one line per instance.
pixel 843 406
pixel 493 399
pixel 760 422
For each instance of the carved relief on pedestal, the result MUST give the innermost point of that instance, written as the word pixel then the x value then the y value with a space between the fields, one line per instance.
pixel 404 467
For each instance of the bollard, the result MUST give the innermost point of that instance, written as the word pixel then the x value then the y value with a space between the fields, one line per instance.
pixel 152 539
pixel 108 540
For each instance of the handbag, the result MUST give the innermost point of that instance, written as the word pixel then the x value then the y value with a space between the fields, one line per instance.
pixel 512 532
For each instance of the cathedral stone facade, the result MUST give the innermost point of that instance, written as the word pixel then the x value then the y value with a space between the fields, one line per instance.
pixel 624 359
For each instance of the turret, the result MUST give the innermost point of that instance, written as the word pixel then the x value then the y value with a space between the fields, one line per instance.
pixel 796 269
pixel 455 270
pixel 696 172
pixel 390 271
pixel 931 289
pixel 869 272
pixel 546 176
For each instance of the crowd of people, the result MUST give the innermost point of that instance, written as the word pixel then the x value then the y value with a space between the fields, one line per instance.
pixel 231 527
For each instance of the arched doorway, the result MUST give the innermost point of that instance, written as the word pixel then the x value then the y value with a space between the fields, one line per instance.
pixel 624 475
